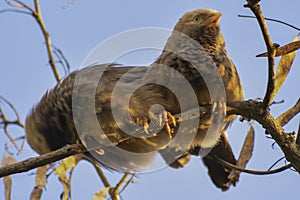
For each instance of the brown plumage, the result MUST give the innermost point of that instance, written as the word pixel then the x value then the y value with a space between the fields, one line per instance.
pixel 50 125
pixel 203 26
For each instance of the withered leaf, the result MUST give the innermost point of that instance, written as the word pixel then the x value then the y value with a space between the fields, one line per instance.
pixel 283 69
pixel 61 171
pixel 64 166
pixel 7 181
pixel 40 178
pixel 40 183
pixel 286 49
pixel 101 194
pixel 245 154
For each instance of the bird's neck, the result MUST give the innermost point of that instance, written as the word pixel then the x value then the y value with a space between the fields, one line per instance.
pixel 182 53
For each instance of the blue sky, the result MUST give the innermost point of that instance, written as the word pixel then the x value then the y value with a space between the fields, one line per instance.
pixel 25 76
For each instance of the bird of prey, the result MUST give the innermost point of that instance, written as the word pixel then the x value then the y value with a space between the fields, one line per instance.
pixel 130 128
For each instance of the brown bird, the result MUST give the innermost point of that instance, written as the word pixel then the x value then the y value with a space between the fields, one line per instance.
pixel 203 27
pixel 131 138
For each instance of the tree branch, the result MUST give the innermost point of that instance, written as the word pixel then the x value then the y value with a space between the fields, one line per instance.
pixel 116 189
pixel 4 122
pixel 273 20
pixel 14 10
pixel 38 17
pixel 284 118
pixel 257 11
pixel 254 172
pixel 113 191
pixel 248 109
pixel 36 14
pixel 255 110
pixel 42 160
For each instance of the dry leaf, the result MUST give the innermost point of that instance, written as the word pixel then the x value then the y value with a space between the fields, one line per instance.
pixel 7 181
pixel 283 70
pixel 36 193
pixel 40 178
pixel 7 160
pixel 61 171
pixel 64 166
pixel 40 183
pixel 245 155
pixel 101 194
pixel 286 49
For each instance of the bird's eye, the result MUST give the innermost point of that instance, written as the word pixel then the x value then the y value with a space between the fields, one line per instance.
pixel 196 19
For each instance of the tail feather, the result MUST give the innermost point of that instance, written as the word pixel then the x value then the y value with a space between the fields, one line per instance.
pixel 218 172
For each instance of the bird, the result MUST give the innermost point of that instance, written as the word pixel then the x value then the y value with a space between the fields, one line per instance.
pixel 203 26
pixel 144 129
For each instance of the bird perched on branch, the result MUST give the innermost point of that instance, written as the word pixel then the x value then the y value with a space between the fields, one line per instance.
pixel 203 27
pixel 193 71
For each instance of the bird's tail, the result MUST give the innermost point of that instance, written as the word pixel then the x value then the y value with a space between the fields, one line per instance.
pixel 218 172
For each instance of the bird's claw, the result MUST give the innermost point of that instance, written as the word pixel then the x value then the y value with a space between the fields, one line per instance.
pixel 170 123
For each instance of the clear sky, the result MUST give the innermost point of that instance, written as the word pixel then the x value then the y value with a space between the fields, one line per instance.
pixel 25 76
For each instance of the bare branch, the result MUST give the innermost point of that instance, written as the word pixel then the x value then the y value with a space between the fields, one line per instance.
pixel 36 14
pixel 116 189
pixel 273 165
pixel 101 175
pixel 19 4
pixel 256 9
pixel 17 121
pixel 272 20
pixel 40 183
pixel 284 118
pixel 4 122
pixel 15 10
pixel 38 17
pixel 131 180
pixel 254 172
pixel 42 160
pixel 62 59
pixel 256 110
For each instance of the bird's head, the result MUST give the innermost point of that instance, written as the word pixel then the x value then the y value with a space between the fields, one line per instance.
pixel 201 25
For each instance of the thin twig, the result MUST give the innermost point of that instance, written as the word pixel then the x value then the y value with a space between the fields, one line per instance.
pixel 254 172
pixel 21 5
pixel 14 10
pixel 131 180
pixel 112 191
pixel 42 160
pixel 273 165
pixel 255 110
pixel 5 122
pixel 101 175
pixel 62 59
pixel 119 184
pixel 18 121
pixel 257 11
pixel 13 4
pixel 38 17
pixel 36 14
pixel 284 118
pixel 273 20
